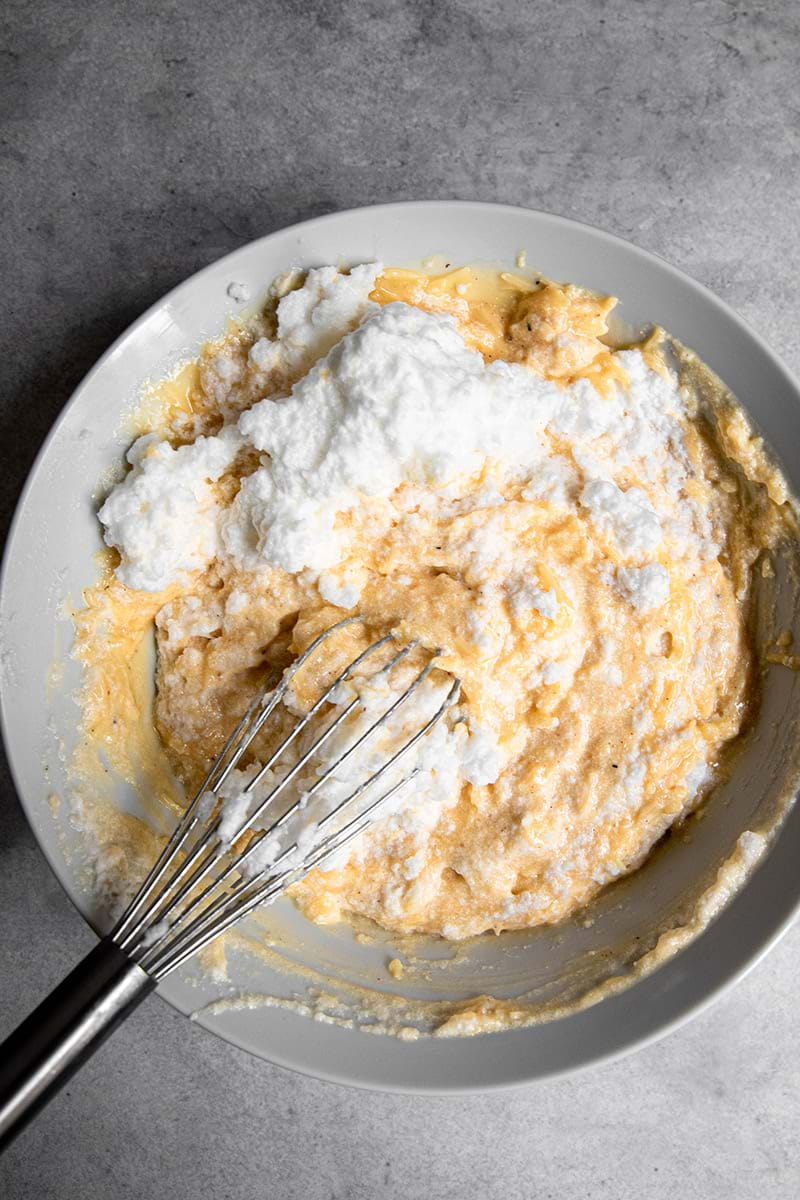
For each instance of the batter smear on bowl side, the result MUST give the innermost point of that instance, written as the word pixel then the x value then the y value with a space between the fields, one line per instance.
pixel 463 457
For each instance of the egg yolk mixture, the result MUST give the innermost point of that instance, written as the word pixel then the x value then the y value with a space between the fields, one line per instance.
pixel 464 458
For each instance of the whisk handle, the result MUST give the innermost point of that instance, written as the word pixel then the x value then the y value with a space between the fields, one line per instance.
pixel 64 1031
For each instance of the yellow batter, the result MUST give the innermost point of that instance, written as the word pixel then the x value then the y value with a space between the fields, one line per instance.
pixel 609 721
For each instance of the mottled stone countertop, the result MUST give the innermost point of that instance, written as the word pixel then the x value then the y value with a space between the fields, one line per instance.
pixel 142 141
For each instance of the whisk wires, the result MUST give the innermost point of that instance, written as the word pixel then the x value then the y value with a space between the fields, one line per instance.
pixel 201 883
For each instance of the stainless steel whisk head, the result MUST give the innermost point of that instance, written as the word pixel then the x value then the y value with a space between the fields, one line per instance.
pixel 204 882
pixel 200 884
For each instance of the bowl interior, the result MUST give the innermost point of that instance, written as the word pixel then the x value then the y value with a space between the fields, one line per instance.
pixel 50 560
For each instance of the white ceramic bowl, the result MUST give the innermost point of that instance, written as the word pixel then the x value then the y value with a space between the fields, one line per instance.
pixel 49 556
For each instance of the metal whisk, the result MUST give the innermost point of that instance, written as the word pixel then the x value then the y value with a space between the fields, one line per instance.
pixel 203 882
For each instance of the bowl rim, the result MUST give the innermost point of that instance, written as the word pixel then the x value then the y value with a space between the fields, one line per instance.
pixel 750 954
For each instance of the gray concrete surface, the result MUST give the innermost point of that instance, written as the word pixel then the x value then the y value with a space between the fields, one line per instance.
pixel 142 140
